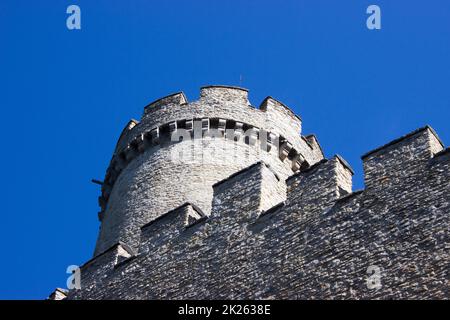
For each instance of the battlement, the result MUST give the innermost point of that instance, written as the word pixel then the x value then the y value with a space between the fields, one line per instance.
pixel 258 183
pixel 227 94
pixel 217 199
pixel 174 99
pixel 302 236
pixel 320 186
pixel 278 113
pixel 138 137
pixel 257 191
pixel 225 128
pixel 386 166
pixel 216 135
pixel 169 225
pixel 221 123
pixel 223 102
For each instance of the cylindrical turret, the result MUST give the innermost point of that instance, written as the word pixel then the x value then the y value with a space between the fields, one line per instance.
pixel 179 150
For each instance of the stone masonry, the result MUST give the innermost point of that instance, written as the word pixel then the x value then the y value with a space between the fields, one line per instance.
pixel 217 216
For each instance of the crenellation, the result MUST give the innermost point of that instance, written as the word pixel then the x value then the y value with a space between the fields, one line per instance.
pixel 278 113
pixel 126 132
pixel 262 188
pixel 228 94
pixel 385 166
pixel 249 133
pixel 215 217
pixel 320 186
pixel 173 99
pixel 232 104
pixel 94 271
pixel 168 225
pixel 314 144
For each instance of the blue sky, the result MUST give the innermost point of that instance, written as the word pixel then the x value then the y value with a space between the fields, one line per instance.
pixel 66 95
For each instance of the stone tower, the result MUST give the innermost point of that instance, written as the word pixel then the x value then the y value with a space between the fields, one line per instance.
pixel 216 199
pixel 147 177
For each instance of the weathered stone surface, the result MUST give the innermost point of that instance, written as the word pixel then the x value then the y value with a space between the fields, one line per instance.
pixel 143 181
pixel 255 229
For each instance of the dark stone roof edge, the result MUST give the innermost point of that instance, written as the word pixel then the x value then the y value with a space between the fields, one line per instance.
pixel 395 141
pixel 224 87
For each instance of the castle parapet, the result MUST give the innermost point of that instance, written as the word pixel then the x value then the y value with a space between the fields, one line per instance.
pixel 247 193
pixel 314 144
pixel 103 265
pixel 224 94
pixel 400 160
pixel 220 129
pixel 319 186
pixel 125 134
pixel 168 226
pixel 174 99
pixel 228 102
pixel 279 115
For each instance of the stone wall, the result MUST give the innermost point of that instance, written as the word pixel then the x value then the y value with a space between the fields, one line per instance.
pixel 145 178
pixel 307 236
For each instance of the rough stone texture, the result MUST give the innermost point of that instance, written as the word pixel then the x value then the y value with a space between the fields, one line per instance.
pixel 258 230
pixel 141 185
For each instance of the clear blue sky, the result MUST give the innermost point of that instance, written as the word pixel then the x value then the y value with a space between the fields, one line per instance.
pixel 66 95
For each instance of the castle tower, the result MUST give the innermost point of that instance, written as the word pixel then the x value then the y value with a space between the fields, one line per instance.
pixel 216 199
pixel 179 150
